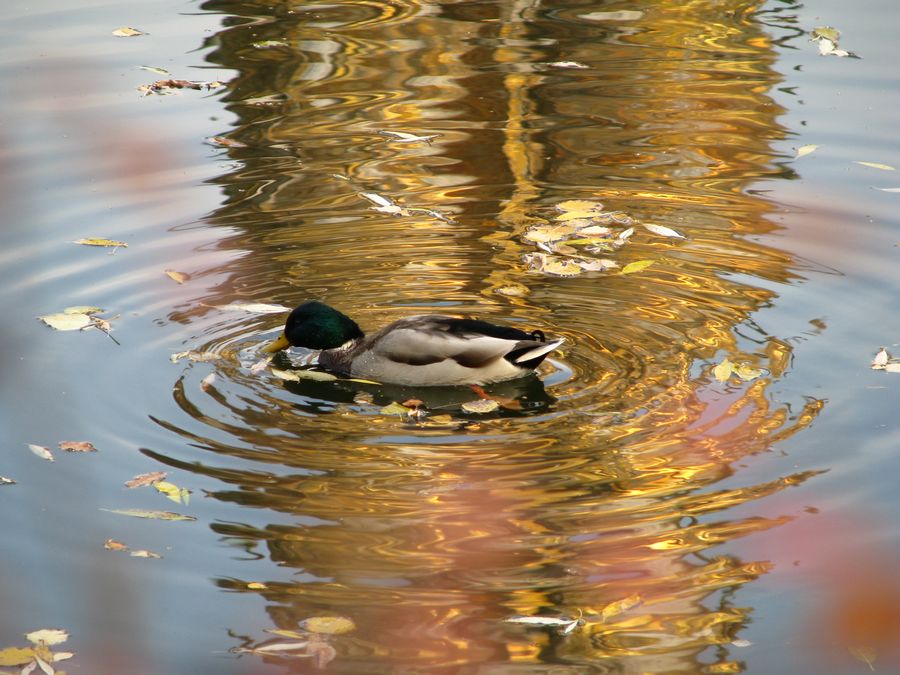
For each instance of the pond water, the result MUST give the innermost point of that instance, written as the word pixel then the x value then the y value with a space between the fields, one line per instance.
pixel 690 519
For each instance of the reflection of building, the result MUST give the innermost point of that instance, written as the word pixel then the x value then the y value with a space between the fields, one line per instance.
pixel 429 537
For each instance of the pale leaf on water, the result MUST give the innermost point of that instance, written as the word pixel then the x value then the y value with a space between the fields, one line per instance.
pixel 865 654
pixel 565 625
pixel 892 368
pixel 579 205
pixel 144 479
pixel 62 656
pixel 303 374
pixel 560 267
pixel 881 359
pixel 395 409
pixel 328 625
pixel 6 481
pixel 197 357
pixel 77 446
pixel 594 231
pixel 154 69
pixel 621 606
pixel 376 199
pixel 16 656
pixel 403 137
pixel 255 307
pixel 155 515
pixel 636 266
pixel 256 586
pixel 47 636
pixel 579 218
pixel 41 451
pixel 597 265
pixel 567 64
pixel 127 31
pixel 64 321
pixel 896 189
pixel 512 290
pixel 144 553
pixel 82 309
pixel 177 277
pixel 663 231
pixel 274 647
pixel 746 373
pixel 724 370
pixel 100 241
pixel 740 642
pixel 207 382
pixel 480 407
pixel 225 142
pixel 876 165
pixel 804 150
pixel 548 233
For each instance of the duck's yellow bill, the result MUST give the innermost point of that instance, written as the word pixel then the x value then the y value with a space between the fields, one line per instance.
pixel 277 345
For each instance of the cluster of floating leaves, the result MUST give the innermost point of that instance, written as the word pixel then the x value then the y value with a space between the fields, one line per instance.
pixel 579 233
pixel 38 657
pixel 727 369
pixel 564 625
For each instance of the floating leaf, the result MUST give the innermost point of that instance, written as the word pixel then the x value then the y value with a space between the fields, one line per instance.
pixel 16 656
pixel 99 241
pixel 41 451
pixel 163 86
pixel 178 277
pixel 636 266
pixel 303 374
pixel 865 654
pixel 225 142
pixel 587 205
pixel 892 368
pixel 376 199
pixel 594 231
pixel 257 586
pixel 268 44
pixel 663 231
pixel 47 636
pixel 597 265
pixel 395 409
pixel 481 406
pixel 144 479
pixel 740 642
pixel 77 446
pixel 723 371
pixel 328 625
pixel 881 359
pixel 825 33
pixel 255 307
pixel 127 31
pixel 173 492
pixel 144 553
pixel 561 267
pixel 548 233
pixel 6 481
pixel 154 69
pixel 567 64
pixel 804 150
pixel 512 290
pixel 113 545
pixel 747 373
pixel 207 382
pixel 197 357
pixel 64 321
pixel 566 624
pixel 156 515
pixel 621 606
pixel 876 165
pixel 403 137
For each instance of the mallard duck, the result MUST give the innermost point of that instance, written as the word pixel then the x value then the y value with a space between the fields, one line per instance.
pixel 425 350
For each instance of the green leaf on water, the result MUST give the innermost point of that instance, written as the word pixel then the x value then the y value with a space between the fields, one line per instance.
pixel 173 492
pixel 636 266
pixel 144 513
pixel 16 656
pixel 67 321
pixel 100 241
pixel 825 33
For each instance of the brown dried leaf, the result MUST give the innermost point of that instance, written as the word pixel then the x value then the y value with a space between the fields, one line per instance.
pixel 113 545
pixel 177 277
pixel 144 479
pixel 77 446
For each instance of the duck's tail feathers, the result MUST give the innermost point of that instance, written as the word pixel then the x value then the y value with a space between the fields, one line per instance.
pixel 530 354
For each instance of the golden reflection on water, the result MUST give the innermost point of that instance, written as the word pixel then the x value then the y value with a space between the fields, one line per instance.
pixel 625 473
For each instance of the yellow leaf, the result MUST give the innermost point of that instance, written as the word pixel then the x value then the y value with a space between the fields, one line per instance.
pixel 876 165
pixel 746 372
pixel 329 625
pixel 256 586
pixel 571 216
pixel 579 205
pixel 284 632
pixel 16 656
pixel 394 409
pixel 173 492
pixel 548 233
pixel 560 267
pixel 621 606
pixel 723 371
pixel 64 321
pixel 804 150
pixel 99 241
pixel 636 266
pixel 178 277
pixel 126 31
pixel 48 636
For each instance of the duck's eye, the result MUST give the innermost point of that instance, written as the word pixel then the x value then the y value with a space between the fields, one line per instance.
pixel 538 335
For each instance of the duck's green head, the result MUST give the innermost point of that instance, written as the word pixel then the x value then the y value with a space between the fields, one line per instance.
pixel 315 325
